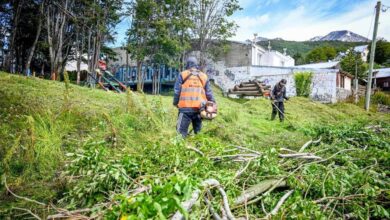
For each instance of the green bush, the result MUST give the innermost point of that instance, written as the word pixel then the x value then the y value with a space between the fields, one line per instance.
pixel 381 98
pixel 303 83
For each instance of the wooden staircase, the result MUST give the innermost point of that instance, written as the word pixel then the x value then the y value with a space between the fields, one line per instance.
pixel 251 88
pixel 108 82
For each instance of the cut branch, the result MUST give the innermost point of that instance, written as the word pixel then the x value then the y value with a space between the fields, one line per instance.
pixel 28 211
pixel 349 197
pixel 308 144
pixel 196 150
pixel 279 204
pixel 257 189
pixel 187 205
pixel 301 156
pixel 21 197
pixel 214 183
pixel 240 172
pixel 247 149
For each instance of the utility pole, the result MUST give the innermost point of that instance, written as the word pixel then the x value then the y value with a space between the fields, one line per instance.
pixel 372 56
pixel 127 64
pixel 356 83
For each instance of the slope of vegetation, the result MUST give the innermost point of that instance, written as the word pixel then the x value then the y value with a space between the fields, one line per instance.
pixel 304 47
pixel 101 154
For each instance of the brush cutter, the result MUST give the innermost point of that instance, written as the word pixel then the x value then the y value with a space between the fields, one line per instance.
pixel 284 116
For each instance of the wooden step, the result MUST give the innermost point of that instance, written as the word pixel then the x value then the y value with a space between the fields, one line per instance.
pixel 253 88
pixel 247 85
pixel 248 93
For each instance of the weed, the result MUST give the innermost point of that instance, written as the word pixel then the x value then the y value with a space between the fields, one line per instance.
pixel 303 83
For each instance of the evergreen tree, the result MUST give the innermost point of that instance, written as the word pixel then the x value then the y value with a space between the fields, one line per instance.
pixel 352 62
pixel 382 52
pixel 321 54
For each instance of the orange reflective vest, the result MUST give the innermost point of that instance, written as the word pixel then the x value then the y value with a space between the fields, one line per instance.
pixel 192 93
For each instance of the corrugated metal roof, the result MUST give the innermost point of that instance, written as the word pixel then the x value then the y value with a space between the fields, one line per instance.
pixel 382 73
pixel 325 65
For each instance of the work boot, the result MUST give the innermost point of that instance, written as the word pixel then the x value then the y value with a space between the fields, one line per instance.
pixel 273 117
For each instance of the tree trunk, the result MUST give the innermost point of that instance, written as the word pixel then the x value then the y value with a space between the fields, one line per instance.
pixel 78 57
pixel 32 50
pixel 139 77
pixel 55 29
pixel 10 58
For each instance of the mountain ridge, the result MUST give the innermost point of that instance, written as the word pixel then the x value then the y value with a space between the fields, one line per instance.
pixel 343 35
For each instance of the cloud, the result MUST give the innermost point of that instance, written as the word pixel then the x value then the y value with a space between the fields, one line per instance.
pixel 312 18
pixel 248 25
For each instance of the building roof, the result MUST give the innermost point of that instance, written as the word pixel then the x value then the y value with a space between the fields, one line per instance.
pixel 72 66
pixel 325 65
pixel 343 73
pixel 382 73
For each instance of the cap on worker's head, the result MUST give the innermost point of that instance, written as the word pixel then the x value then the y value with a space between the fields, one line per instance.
pixel 191 62
pixel 283 81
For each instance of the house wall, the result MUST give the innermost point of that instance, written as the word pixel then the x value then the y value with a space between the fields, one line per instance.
pixel 323 85
pixel 347 83
pixel 382 82
pixel 120 59
pixel 256 54
pixel 343 94
pixel 237 55
pixel 273 58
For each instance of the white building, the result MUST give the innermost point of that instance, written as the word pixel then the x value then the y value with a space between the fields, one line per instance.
pixel 263 57
pixel 363 50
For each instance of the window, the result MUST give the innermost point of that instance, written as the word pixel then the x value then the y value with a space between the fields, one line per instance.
pixel 386 84
pixel 342 81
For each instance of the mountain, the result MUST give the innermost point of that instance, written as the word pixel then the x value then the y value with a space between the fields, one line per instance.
pixel 261 39
pixel 302 48
pixel 317 38
pixel 344 36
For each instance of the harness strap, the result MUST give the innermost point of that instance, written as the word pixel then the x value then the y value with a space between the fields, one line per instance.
pixel 191 74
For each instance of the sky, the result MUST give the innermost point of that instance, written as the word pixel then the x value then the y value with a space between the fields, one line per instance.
pixel 300 20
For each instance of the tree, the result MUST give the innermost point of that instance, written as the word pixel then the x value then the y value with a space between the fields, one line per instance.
pixel 352 62
pixel 382 52
pixel 321 54
pixel 159 34
pixel 139 34
pixel 299 59
pixel 211 23
pixel 37 35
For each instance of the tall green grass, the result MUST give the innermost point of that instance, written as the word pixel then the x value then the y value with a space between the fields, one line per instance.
pixel 41 121
pixel 303 82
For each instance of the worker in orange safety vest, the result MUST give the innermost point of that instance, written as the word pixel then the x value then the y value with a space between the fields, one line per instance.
pixel 192 90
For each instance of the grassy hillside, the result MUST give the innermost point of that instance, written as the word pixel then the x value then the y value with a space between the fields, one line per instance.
pixel 303 47
pixel 71 148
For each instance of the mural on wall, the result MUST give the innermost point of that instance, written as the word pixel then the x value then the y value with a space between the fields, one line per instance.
pixel 323 85
pixel 272 80
pixel 229 74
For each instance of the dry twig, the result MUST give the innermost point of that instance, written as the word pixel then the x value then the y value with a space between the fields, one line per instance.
pixel 28 211
pixel 21 197
pixel 308 144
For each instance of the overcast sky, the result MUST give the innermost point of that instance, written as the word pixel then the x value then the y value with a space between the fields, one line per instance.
pixel 300 20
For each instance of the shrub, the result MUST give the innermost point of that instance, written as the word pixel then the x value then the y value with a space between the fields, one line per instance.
pixel 303 83
pixel 97 175
pixel 381 98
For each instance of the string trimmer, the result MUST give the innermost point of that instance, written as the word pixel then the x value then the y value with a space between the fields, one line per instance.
pixel 284 116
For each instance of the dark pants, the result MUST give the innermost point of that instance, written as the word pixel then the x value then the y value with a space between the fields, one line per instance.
pixel 275 111
pixel 184 121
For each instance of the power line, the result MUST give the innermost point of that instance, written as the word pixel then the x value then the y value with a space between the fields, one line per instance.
pixel 385 8
pixel 372 21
